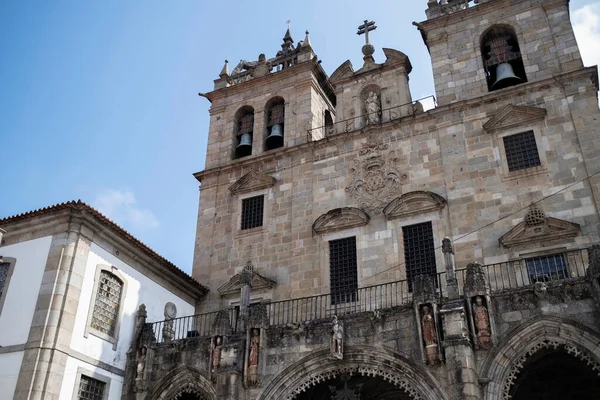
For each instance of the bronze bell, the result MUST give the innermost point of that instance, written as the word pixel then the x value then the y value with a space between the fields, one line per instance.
pixel 245 147
pixel 505 77
pixel 275 138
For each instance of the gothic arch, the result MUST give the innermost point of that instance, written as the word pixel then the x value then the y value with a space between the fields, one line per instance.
pixel 503 365
pixel 367 361
pixel 184 380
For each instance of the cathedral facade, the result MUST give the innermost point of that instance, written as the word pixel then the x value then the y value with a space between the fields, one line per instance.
pixel 357 246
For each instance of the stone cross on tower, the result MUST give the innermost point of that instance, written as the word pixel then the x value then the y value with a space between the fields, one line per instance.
pixel 368 49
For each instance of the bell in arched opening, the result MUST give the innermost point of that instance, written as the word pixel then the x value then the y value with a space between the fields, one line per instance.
pixel 275 138
pixel 275 127
pixel 505 77
pixel 245 128
pixel 244 148
pixel 502 58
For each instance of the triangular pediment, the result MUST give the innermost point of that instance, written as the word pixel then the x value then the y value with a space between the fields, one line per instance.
pixel 513 116
pixel 252 181
pixel 551 229
pixel 343 71
pixel 411 203
pixel 340 218
pixel 257 281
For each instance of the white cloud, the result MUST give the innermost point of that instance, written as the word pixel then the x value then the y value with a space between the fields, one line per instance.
pixel 120 206
pixel 586 24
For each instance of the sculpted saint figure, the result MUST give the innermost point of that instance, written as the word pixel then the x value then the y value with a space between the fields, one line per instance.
pixel 482 323
pixel 216 354
pixel 373 108
pixel 429 335
pixel 141 365
pixel 337 339
pixel 253 357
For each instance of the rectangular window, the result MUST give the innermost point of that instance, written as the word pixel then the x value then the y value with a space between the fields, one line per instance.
pixel 546 268
pixel 521 151
pixel 90 388
pixel 252 212
pixel 106 306
pixel 419 253
pixel 4 268
pixel 343 270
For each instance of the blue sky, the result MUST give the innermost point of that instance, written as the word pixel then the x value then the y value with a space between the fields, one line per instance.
pixel 99 99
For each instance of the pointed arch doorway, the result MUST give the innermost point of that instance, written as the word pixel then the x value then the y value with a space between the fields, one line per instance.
pixel 346 387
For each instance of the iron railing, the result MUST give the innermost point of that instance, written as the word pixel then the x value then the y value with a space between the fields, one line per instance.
pixel 293 312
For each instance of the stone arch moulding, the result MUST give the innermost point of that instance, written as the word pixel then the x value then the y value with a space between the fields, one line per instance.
pixel 340 218
pixel 367 361
pixel 417 202
pixel 183 380
pixel 504 364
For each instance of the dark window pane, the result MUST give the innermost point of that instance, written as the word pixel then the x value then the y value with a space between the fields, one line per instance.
pixel 90 388
pixel 546 268
pixel 521 151
pixel 252 212
pixel 419 254
pixel 342 270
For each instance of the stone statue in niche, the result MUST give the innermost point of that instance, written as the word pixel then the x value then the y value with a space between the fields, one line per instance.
pixel 141 366
pixel 482 323
pixel 429 336
pixel 253 357
pixel 373 108
pixel 337 339
pixel 216 354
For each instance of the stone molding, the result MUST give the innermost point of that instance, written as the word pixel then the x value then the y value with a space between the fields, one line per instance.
pixel 318 366
pixel 340 218
pixel 257 281
pixel 552 229
pixel 251 182
pixel 411 203
pixel 512 116
pixel 183 380
pixel 343 71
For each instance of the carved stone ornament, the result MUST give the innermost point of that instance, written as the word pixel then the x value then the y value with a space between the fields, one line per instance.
pixel 430 340
pixel 340 218
pixel 375 178
pixel 343 71
pixel 424 289
pixel 481 319
pixel 170 310
pixel 346 393
pixel 514 116
pixel 540 290
pixel 252 181
pixel 253 355
pixel 256 280
pixel 259 316
pixel 411 203
pixel 373 108
pixel 337 339
pixel 536 227
pixel 222 325
pixel 475 281
pixel 188 390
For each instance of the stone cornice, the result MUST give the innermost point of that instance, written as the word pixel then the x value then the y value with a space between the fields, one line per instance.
pixel 430 115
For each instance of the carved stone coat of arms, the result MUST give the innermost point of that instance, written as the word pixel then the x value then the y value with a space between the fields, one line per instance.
pixel 376 181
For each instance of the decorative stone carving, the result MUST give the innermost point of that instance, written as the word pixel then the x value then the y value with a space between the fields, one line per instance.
pixel 252 181
pixel 222 324
pixel 412 203
pixel 188 390
pixel 475 280
pixel 215 354
pixel 395 57
pixel 375 178
pixel 424 289
pixel 537 227
pixel 346 393
pixel 540 290
pixel 259 316
pixel 373 109
pixel 140 321
pixel 340 218
pixel 337 339
pixel 140 381
pixel 170 314
pixel 482 323
pixel 429 335
pixel 257 281
pixel 513 116
pixel 343 71
pixel 253 357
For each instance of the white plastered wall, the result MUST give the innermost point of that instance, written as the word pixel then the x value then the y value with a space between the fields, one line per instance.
pixel 74 367
pixel 139 290
pixel 10 365
pixel 23 288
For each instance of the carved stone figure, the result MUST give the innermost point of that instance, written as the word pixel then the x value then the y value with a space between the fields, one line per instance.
pixel 216 355
pixel 373 107
pixel 337 339
pixel 170 314
pixel 140 320
pixel 540 290
pixel 253 357
pixel 140 384
pixel 482 323
pixel 429 335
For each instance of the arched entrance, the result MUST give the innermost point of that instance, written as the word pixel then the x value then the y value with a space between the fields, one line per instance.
pixel 376 372
pixel 548 358
pixel 184 384
pixel 555 374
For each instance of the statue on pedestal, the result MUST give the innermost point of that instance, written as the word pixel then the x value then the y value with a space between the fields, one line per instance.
pixel 253 357
pixel 482 323
pixel 429 336
pixel 373 108
pixel 216 355
pixel 337 339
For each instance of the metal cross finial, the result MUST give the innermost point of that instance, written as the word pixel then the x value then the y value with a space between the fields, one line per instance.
pixel 366 28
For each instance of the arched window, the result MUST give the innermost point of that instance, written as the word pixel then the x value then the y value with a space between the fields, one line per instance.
pixel 502 59
pixel 275 126
pixel 244 132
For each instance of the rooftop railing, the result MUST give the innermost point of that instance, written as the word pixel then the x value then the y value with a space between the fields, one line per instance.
pixel 293 312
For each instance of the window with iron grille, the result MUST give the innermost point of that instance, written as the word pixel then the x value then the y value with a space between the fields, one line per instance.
pixel 521 151
pixel 106 306
pixel 252 212
pixel 342 270
pixel 546 268
pixel 419 253
pixel 4 268
pixel 90 388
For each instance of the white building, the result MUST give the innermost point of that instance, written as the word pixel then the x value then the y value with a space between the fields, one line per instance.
pixel 71 282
